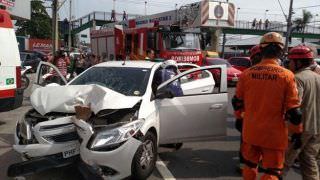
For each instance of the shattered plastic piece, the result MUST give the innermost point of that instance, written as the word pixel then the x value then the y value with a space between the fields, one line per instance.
pixel 64 98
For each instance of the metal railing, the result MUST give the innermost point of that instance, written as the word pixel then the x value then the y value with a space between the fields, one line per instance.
pixel 275 26
pixel 99 16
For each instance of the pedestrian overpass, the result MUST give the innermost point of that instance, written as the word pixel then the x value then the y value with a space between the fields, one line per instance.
pixel 96 19
pixel 241 27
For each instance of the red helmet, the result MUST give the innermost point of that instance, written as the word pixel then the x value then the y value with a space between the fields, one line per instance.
pixel 301 52
pixel 254 50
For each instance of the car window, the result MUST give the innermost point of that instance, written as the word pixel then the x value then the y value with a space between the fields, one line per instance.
pixel 194 76
pixel 240 62
pixel 124 80
pixel 195 83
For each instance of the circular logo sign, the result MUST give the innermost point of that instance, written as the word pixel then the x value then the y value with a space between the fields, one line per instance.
pixel 218 11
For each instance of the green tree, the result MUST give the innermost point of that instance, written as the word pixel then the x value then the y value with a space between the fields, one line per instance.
pixel 301 22
pixel 39 26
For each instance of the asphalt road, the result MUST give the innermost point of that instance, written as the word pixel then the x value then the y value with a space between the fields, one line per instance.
pixel 206 160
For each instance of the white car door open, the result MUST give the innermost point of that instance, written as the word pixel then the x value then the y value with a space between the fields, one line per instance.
pixel 44 70
pixel 199 114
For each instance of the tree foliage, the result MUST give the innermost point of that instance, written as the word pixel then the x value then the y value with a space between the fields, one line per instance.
pixel 301 22
pixel 39 26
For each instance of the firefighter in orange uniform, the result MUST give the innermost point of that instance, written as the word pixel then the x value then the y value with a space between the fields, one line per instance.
pixel 265 130
pixel 255 57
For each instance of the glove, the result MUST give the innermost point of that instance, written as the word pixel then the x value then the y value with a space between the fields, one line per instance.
pixel 238 125
pixel 296 141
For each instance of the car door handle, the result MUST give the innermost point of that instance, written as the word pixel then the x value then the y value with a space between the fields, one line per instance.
pixel 205 90
pixel 216 106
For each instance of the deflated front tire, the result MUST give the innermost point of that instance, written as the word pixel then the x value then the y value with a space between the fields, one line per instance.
pixel 145 158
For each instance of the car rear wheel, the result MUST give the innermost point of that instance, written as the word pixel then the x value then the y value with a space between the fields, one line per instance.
pixel 144 160
pixel 24 82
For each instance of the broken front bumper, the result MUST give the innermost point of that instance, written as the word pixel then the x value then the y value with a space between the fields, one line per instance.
pixel 109 164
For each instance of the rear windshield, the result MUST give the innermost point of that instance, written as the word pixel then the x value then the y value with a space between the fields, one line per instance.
pixel 23 56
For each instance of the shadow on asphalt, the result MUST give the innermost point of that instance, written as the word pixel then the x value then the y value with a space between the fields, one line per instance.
pixel 6 139
pixel 204 163
pixel 8 155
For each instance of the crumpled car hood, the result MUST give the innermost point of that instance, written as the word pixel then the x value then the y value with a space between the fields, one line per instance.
pixel 64 98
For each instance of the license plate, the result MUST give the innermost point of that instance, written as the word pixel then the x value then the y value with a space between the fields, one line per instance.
pixel 70 153
pixel 235 79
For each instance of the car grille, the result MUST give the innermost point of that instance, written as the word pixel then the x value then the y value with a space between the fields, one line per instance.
pixel 59 138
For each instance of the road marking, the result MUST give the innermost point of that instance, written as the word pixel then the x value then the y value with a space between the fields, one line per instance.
pixel 163 170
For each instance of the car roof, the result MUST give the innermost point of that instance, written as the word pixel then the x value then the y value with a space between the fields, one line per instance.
pixel 243 57
pixel 132 64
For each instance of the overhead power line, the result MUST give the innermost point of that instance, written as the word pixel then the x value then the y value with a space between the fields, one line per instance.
pixel 307 7
pixel 285 16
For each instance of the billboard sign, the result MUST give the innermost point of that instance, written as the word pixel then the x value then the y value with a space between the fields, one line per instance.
pixel 19 9
pixel 8 3
pixel 43 45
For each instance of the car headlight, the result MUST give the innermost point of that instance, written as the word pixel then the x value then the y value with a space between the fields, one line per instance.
pixel 108 139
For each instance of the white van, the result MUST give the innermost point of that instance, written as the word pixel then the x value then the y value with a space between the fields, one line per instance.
pixel 11 95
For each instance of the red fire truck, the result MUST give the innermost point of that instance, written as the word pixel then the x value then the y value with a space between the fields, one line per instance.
pixel 173 35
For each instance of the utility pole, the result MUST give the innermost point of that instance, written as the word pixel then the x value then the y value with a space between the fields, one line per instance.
pixel 145 8
pixel 54 26
pixel 70 19
pixel 289 27
pixel 223 45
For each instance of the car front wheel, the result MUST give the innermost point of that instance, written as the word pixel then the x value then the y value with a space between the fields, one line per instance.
pixel 144 160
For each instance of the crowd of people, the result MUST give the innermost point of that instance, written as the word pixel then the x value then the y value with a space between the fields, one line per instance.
pixel 259 24
pixel 72 64
pixel 277 111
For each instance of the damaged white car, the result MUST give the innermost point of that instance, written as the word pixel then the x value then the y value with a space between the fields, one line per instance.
pixel 131 114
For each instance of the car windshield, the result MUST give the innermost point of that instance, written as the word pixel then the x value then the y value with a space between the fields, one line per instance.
pixel 181 41
pixel 219 62
pixel 124 80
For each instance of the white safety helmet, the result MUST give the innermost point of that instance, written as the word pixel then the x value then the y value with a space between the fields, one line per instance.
pixel 169 63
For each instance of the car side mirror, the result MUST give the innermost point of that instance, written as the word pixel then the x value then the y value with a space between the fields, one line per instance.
pixel 164 93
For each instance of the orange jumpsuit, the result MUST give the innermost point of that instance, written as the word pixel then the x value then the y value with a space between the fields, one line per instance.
pixel 268 91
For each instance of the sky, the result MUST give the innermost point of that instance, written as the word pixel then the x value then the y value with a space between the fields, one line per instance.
pixel 247 9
